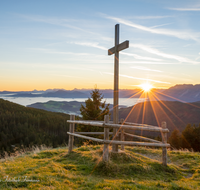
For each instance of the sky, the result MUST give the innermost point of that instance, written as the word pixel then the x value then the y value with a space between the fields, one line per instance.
pixel 64 44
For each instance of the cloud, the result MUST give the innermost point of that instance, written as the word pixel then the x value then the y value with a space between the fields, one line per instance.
pixel 58 52
pixel 90 45
pixel 197 58
pixel 69 23
pixel 187 45
pixel 151 17
pixel 162 54
pixel 144 79
pixel 140 57
pixel 156 26
pixel 167 32
pixel 185 9
pixel 54 21
pixel 149 62
pixel 139 78
pixel 146 69
pixel 170 77
pixel 76 56
pixel 96 45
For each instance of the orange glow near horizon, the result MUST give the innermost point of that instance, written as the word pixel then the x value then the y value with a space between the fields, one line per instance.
pixel 30 85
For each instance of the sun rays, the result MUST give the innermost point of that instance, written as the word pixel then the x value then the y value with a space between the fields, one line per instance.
pixel 151 103
pixel 162 110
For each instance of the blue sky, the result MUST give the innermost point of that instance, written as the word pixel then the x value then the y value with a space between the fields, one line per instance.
pixel 63 44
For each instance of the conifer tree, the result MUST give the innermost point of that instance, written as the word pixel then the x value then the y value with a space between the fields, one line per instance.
pixel 188 137
pixel 174 139
pixel 94 109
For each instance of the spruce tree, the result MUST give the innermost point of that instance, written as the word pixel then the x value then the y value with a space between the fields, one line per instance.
pixel 94 109
pixel 174 139
pixel 188 137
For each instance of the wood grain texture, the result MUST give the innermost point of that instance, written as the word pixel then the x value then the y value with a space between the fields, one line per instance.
pixel 164 140
pixel 147 128
pixel 129 143
pixel 106 137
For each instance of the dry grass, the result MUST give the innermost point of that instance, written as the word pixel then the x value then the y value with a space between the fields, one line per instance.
pixel 22 152
pixel 84 169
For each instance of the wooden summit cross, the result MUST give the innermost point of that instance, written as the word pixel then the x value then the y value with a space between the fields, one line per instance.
pixel 115 50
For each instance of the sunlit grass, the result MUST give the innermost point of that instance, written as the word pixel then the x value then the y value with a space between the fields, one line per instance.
pixel 137 168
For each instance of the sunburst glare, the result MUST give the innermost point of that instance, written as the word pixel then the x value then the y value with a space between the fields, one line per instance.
pixel 146 87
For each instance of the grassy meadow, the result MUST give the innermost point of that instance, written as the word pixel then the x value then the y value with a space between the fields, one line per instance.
pixel 136 168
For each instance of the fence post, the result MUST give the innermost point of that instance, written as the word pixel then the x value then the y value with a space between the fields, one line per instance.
pixel 71 130
pixel 122 134
pixel 164 140
pixel 106 137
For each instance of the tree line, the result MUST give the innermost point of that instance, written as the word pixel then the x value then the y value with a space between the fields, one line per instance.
pixel 188 139
pixel 22 127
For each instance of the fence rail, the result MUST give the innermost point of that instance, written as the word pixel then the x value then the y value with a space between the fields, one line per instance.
pixel 130 143
pixel 92 133
pixel 98 124
pixel 106 124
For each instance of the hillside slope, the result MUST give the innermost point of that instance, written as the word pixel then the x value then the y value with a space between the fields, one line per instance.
pixel 176 114
pixel 137 168
pixel 23 127
pixel 72 107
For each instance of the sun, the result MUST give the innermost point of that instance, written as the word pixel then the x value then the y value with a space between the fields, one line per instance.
pixel 146 87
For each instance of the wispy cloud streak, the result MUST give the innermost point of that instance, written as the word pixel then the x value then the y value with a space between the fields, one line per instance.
pixel 146 69
pixel 68 23
pixel 151 17
pixel 140 57
pixel 185 9
pixel 167 32
pixel 58 52
pixel 96 45
pixel 150 62
pixel 162 54
pixel 156 26
pixel 54 21
pixel 145 79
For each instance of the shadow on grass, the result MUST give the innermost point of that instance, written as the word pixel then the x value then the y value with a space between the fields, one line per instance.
pixel 88 160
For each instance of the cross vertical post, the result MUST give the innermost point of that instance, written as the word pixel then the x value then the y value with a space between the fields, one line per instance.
pixel 164 140
pixel 116 76
pixel 115 50
pixel 116 86
pixel 71 130
pixel 106 137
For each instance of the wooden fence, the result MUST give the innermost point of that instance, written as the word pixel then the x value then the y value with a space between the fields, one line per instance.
pixel 106 124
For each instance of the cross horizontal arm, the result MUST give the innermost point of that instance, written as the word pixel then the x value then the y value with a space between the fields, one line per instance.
pixel 120 47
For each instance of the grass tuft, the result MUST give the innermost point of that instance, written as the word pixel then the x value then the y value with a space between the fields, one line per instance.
pixel 135 168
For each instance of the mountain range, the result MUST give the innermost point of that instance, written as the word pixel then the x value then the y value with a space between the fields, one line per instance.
pixel 184 92
pixel 180 92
